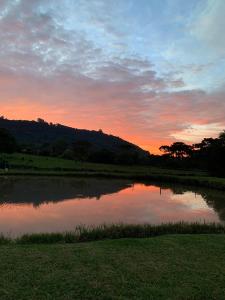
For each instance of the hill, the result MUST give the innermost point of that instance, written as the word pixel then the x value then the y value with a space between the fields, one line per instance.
pixel 56 139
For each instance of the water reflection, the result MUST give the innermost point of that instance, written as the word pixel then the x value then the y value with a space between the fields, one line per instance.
pixel 213 198
pixel 41 190
pixel 58 204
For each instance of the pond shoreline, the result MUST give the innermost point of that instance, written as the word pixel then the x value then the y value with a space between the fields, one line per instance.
pixel 115 231
pixel 34 165
pixel 204 181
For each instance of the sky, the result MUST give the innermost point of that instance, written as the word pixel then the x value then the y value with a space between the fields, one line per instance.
pixel 149 71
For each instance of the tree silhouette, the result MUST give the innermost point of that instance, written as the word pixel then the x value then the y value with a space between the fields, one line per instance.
pixel 81 149
pixel 177 150
pixel 7 142
pixel 165 149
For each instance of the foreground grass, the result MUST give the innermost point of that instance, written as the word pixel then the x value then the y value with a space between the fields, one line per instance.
pixel 29 165
pixel 167 267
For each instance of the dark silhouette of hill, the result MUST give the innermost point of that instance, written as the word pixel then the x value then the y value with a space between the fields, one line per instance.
pixel 40 133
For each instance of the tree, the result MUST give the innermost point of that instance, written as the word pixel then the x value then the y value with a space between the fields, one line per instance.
pixel 180 149
pixel 177 150
pixel 102 156
pixel 68 154
pixel 59 147
pixel 205 144
pixel 165 149
pixel 7 142
pixel 81 149
pixel 211 151
pixel 42 121
pixel 222 135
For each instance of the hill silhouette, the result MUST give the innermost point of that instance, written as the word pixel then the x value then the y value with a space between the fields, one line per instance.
pixel 40 136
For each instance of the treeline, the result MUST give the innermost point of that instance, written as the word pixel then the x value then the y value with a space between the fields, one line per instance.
pixel 98 147
pixel 208 155
pixel 82 150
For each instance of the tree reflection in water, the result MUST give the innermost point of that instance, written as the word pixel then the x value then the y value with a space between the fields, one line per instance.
pixel 214 198
pixel 40 190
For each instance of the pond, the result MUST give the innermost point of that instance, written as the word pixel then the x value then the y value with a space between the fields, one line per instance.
pixel 39 204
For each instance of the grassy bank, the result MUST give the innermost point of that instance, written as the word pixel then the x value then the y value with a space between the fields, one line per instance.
pixel 115 231
pixel 166 267
pixel 29 165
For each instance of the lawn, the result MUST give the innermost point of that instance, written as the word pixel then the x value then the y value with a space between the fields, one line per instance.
pixel 23 164
pixel 165 267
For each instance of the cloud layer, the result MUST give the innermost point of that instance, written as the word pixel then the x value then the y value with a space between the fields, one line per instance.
pixel 74 63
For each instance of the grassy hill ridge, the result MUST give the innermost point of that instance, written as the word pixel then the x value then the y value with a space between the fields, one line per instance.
pixel 41 132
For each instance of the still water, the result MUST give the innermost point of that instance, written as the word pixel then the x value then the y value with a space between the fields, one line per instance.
pixel 59 204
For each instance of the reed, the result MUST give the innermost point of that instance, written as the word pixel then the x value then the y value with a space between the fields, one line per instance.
pixel 118 231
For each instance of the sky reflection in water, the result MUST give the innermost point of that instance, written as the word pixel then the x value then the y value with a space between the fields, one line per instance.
pixel 59 204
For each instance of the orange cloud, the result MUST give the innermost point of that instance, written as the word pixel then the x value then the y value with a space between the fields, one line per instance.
pixel 146 118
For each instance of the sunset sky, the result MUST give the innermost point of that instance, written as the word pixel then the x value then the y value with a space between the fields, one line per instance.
pixel 149 71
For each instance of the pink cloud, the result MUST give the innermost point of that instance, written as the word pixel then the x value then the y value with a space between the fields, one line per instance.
pixel 60 75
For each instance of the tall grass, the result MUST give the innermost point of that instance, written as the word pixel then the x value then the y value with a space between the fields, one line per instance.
pixel 4 240
pixel 117 231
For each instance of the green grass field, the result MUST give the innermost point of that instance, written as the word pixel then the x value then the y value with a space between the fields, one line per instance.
pixel 166 267
pixel 21 164
pixel 32 162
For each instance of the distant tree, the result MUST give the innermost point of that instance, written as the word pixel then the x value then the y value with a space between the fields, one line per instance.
pixel 45 149
pixel 211 152
pixel 102 156
pixel 222 138
pixel 7 142
pixel 177 150
pixel 205 144
pixel 180 149
pixel 127 147
pixel 68 154
pixel 59 147
pixel 81 149
pixel 39 120
pixel 165 149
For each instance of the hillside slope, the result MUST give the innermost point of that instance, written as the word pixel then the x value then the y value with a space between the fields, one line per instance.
pixel 40 132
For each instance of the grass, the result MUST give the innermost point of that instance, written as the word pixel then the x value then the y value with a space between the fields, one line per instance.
pixel 182 261
pixel 25 162
pixel 115 231
pixel 29 165
pixel 177 267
